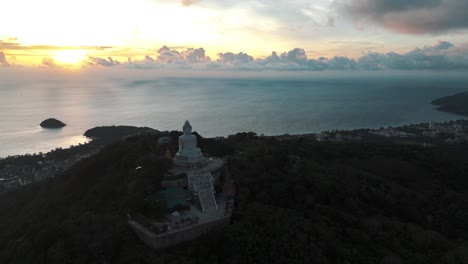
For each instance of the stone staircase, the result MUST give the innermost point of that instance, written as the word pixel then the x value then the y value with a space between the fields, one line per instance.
pixel 205 191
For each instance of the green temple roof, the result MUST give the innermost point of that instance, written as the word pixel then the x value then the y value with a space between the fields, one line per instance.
pixel 176 196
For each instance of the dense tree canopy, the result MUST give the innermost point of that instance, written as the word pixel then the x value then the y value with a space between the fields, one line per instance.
pixel 296 202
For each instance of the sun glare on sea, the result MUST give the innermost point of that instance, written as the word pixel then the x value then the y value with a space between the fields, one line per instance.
pixel 69 56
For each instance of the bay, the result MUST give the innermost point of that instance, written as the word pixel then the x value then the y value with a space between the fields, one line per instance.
pixel 214 106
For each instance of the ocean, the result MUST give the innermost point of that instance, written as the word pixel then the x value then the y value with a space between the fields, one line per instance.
pixel 215 106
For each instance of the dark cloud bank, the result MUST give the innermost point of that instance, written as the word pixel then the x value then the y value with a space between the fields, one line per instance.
pixel 409 16
pixel 441 56
pixel 101 61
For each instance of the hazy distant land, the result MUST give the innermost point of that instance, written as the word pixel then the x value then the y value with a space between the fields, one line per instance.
pixel 456 104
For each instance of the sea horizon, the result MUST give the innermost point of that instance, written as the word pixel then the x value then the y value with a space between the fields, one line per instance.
pixel 216 106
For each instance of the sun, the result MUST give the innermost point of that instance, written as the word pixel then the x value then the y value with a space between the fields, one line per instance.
pixel 69 56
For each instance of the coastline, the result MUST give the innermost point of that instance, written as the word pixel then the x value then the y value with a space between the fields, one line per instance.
pixel 91 138
pixel 24 169
pixel 221 107
pixel 456 104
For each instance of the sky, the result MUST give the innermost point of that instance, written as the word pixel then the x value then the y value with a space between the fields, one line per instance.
pixel 252 35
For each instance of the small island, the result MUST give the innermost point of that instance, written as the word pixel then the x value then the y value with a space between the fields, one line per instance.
pixel 455 104
pixel 52 123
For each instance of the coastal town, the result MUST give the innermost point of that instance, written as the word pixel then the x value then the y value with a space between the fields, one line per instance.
pixel 425 134
pixel 20 170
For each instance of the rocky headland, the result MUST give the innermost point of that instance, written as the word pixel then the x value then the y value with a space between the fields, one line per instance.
pixel 456 104
pixel 116 132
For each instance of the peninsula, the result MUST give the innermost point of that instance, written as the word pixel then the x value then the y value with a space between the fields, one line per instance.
pixel 456 104
pixel 110 133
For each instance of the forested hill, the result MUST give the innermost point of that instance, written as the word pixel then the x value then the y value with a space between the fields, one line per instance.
pixel 456 104
pixel 115 132
pixel 297 202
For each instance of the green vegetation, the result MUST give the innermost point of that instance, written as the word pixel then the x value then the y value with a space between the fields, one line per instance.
pixel 115 132
pixel 456 104
pixel 176 197
pixel 332 203
pixel 296 202
pixel 80 217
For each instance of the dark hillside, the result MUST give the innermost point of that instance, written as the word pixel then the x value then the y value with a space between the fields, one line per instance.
pixel 80 217
pixel 297 202
pixel 109 134
pixel 335 203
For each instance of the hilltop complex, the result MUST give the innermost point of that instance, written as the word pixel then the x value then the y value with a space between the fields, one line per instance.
pixel 189 191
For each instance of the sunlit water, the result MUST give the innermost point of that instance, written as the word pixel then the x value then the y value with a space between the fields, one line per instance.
pixel 215 107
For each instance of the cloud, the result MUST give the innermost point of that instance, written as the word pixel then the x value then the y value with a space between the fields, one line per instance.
pixel 232 58
pixel 166 55
pixel 440 56
pixel 8 45
pixel 188 55
pixel 188 2
pixel 13 44
pixel 409 16
pixel 296 55
pixel 97 61
pixel 341 63
pixel 293 60
pixel 148 58
pixel 49 62
pixel 90 61
pixel 441 45
pixel 3 60
pixel 195 55
pixel 330 21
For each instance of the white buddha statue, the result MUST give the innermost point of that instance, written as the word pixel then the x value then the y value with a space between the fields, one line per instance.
pixel 188 151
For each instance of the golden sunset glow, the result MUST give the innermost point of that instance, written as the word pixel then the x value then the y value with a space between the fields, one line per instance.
pixel 113 32
pixel 69 56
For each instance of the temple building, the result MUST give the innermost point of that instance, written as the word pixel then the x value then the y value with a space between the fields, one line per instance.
pixel 191 197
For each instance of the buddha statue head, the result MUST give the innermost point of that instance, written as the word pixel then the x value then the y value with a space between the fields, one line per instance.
pixel 187 128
